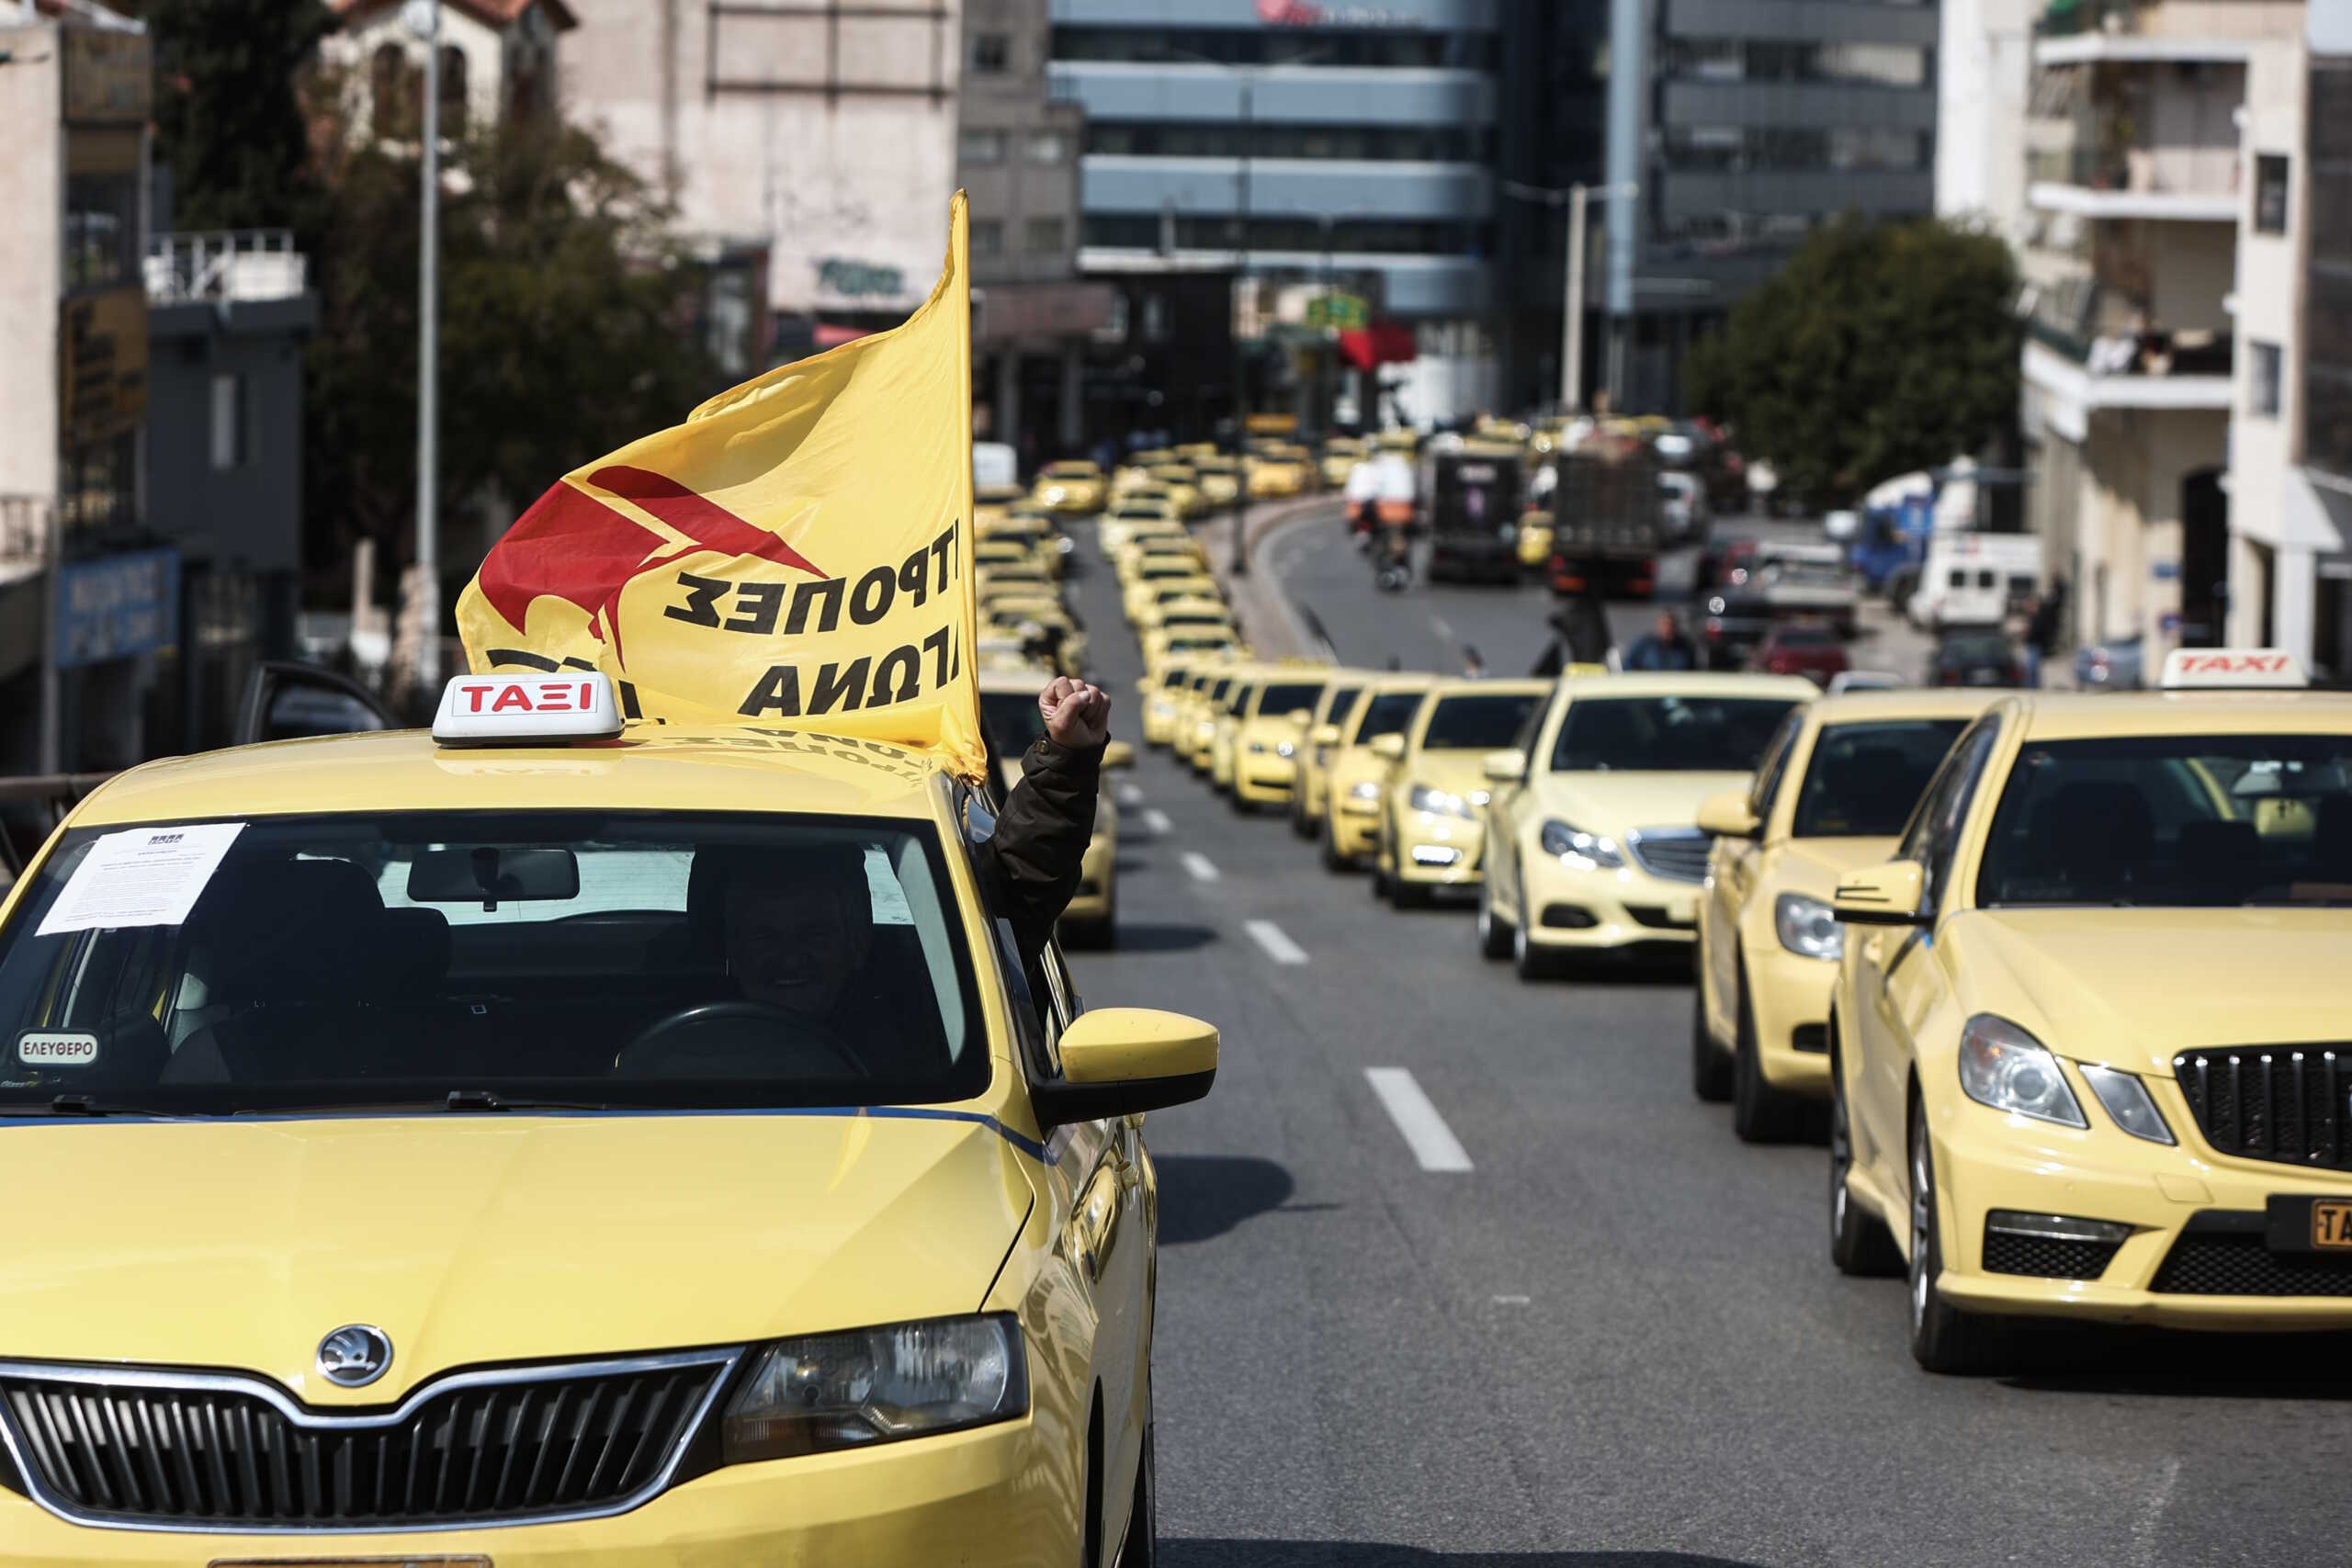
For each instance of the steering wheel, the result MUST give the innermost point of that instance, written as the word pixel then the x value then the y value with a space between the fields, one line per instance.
pixel 667 1043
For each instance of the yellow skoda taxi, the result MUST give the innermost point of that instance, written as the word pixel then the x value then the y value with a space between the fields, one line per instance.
pixel 1270 734
pixel 1830 796
pixel 1434 801
pixel 630 1144
pixel 1593 837
pixel 1356 774
pixel 2087 1037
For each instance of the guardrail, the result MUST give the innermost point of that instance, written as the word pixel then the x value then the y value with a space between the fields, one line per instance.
pixel 240 264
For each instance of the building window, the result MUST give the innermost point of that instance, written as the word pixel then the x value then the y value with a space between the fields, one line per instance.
pixel 97 484
pixel 980 147
pixel 101 230
pixel 1046 147
pixel 1042 236
pixel 992 53
pixel 2271 193
pixel 228 445
pixel 2268 365
pixel 988 237
pixel 392 93
pixel 453 90
pixel 1155 318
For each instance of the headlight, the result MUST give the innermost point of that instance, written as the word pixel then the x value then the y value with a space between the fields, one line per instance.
pixel 1586 851
pixel 1808 926
pixel 1438 802
pixel 2126 1099
pixel 1285 749
pixel 877 1385
pixel 1365 789
pixel 2003 1067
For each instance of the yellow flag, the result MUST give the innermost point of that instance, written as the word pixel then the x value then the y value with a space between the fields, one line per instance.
pixel 795 555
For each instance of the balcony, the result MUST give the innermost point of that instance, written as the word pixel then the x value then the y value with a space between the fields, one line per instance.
pixel 2150 369
pixel 2181 184
pixel 245 266
pixel 2077 32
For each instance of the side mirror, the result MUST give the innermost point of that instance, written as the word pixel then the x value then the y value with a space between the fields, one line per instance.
pixel 1508 767
pixel 1727 816
pixel 1326 735
pixel 1118 755
pixel 1389 747
pixel 1886 895
pixel 1123 1061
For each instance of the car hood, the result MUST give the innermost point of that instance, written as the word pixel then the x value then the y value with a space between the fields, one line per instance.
pixel 1614 804
pixel 2133 986
pixel 494 1237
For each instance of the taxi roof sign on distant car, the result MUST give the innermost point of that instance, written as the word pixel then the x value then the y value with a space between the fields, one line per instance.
pixel 527 710
pixel 2232 670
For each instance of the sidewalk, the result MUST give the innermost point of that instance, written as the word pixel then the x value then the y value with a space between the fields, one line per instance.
pixel 1267 619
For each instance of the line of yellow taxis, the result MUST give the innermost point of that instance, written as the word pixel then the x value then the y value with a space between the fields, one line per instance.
pixel 2060 978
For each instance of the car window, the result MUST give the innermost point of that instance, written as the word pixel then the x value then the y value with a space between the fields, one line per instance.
pixel 1290 696
pixel 1236 701
pixel 1863 779
pixel 1932 836
pixel 1666 734
pixel 1477 723
pixel 646 959
pixel 1775 761
pixel 1340 702
pixel 1389 712
pixel 2199 821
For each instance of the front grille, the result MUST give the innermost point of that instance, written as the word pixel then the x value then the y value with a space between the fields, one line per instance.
pixel 2221 1254
pixel 2046 1258
pixel 1679 855
pixel 220 1452
pixel 2276 1102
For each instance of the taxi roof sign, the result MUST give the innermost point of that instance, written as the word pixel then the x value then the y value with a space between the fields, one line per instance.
pixel 2232 670
pixel 527 710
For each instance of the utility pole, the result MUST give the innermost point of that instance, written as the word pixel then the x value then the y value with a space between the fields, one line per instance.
pixel 1572 307
pixel 1240 363
pixel 428 363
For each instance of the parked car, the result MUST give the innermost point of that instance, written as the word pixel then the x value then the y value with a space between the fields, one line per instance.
pixel 1978 656
pixel 2115 666
pixel 1802 648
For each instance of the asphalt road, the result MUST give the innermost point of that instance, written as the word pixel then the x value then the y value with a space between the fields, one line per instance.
pixel 1616 1336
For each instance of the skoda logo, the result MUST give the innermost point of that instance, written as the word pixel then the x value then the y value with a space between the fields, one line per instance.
pixel 355 1355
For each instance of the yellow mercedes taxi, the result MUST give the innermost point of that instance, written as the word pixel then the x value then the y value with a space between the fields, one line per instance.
pixel 1072 488
pixel 1138 511
pixel 1311 799
pixel 1163 578
pixel 1593 837
pixel 627 1144
pixel 1009 712
pixel 1145 549
pixel 1183 493
pixel 1194 620
pixel 1356 775
pixel 2087 1039
pixel 1830 795
pixel 1277 474
pixel 1434 798
pixel 1271 732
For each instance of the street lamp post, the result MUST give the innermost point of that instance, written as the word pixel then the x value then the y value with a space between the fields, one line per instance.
pixel 428 360
pixel 1241 566
pixel 1572 295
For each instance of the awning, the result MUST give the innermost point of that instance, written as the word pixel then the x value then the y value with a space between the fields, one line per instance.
pixel 1383 343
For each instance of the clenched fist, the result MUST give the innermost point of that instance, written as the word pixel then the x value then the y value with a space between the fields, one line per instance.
pixel 1077 714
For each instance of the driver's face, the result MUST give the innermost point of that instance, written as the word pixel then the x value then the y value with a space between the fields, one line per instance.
pixel 795 948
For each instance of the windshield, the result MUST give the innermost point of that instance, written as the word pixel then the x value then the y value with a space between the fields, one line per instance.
pixel 1290 698
pixel 2200 820
pixel 1387 714
pixel 1864 778
pixel 1070 471
pixel 639 959
pixel 1479 723
pixel 1665 735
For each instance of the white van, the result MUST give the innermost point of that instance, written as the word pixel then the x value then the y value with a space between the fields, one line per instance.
pixel 994 464
pixel 1975 580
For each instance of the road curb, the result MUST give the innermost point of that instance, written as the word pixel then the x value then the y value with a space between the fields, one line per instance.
pixel 1268 618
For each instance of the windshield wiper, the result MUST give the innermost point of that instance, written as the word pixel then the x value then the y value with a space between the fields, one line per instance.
pixel 483 1100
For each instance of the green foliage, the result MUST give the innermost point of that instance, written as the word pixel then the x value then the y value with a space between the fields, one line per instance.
pixel 226 123
pixel 1878 349
pixel 566 331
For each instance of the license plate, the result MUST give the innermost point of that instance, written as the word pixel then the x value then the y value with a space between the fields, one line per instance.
pixel 2310 1224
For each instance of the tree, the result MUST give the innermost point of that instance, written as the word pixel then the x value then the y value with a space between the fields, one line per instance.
pixel 228 123
pixel 1878 349
pixel 567 323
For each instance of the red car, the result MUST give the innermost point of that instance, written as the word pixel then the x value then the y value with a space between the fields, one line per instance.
pixel 1802 648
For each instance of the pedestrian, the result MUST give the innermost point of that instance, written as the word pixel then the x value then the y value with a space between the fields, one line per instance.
pixel 2042 630
pixel 1579 636
pixel 1664 647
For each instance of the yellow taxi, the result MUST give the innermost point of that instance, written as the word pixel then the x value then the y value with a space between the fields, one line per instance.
pixel 1434 801
pixel 2087 1042
pixel 1220 479
pixel 1043 624
pixel 1214 759
pixel 1159 691
pixel 1196 620
pixel 1341 455
pixel 1271 732
pixel 1009 713
pixel 1155 547
pixel 1033 529
pixel 1137 512
pixel 627 1144
pixel 1160 580
pixel 1356 774
pixel 1276 475
pixel 1183 492
pixel 1311 799
pixel 1593 834
pixel 1196 721
pixel 1072 488
pixel 1830 795
pixel 997 551
pixel 992 503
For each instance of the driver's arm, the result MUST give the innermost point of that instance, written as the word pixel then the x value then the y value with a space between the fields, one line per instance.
pixel 1032 861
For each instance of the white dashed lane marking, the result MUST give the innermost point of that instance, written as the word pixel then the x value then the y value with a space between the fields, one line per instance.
pixel 1275 941
pixel 1156 823
pixel 1128 796
pixel 1199 867
pixel 1432 1142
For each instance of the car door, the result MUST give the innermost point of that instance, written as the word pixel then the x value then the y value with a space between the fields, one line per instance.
pixel 1896 980
pixel 1734 868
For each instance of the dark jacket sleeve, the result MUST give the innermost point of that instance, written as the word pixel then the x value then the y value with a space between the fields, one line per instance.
pixel 1032 861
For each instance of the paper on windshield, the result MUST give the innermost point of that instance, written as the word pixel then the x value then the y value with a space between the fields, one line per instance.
pixel 141 876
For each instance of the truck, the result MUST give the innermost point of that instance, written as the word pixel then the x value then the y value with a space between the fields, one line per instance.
pixel 1473 490
pixel 1975 580
pixel 1608 518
